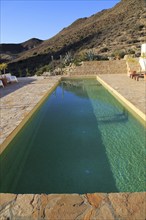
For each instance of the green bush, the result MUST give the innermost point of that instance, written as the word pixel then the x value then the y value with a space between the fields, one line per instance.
pixel 35 53
pixel 118 54
pixel 19 72
pixel 27 72
pixel 131 51
pixel 46 68
pixel 104 49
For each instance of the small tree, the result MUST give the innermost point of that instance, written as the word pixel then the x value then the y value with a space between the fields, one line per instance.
pixel 3 67
pixel 27 72
pixel 20 72
pixel 68 58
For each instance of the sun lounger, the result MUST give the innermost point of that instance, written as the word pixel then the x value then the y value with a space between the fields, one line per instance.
pixel 138 75
pixel 132 74
pixel 10 78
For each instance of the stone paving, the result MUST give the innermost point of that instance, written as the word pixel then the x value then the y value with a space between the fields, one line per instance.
pixel 96 206
pixel 134 91
pixel 17 100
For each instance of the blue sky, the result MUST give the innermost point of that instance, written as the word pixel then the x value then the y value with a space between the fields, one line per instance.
pixel 21 20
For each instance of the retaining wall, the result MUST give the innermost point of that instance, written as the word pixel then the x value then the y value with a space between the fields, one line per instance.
pixel 100 67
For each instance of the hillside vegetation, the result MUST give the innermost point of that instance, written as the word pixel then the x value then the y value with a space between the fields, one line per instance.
pixel 116 31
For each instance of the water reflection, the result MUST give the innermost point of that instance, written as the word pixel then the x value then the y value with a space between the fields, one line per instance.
pixel 82 87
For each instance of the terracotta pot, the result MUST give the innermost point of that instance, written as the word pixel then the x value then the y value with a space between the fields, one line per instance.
pixel 4 80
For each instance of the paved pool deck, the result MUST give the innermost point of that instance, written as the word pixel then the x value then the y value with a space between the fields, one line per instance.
pixel 132 90
pixel 17 101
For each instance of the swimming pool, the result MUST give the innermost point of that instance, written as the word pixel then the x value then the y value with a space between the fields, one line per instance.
pixel 80 140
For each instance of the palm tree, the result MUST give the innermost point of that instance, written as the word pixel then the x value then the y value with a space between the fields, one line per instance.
pixel 3 67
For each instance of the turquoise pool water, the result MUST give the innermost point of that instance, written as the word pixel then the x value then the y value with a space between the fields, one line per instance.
pixel 80 140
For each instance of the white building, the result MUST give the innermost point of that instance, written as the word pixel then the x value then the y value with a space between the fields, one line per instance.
pixel 143 50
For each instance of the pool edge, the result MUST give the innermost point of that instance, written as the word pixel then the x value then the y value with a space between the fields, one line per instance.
pixel 69 206
pixel 26 118
pixel 133 110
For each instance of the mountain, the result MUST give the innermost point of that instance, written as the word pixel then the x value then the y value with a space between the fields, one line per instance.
pixel 12 51
pixel 120 29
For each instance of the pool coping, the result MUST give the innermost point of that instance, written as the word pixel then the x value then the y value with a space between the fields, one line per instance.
pixel 26 118
pixel 134 110
pixel 88 206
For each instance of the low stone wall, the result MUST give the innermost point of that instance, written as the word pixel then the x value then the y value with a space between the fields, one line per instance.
pixel 112 206
pixel 100 67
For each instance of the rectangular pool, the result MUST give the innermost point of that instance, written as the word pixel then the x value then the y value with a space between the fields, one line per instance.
pixel 81 140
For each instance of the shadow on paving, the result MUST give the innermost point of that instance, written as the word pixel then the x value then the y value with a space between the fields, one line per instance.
pixel 10 88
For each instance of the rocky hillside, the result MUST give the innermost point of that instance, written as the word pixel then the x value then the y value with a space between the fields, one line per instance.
pixel 12 51
pixel 119 30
